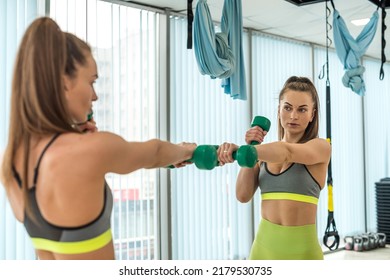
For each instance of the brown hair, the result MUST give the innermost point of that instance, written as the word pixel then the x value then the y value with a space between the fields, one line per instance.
pixel 302 84
pixel 38 107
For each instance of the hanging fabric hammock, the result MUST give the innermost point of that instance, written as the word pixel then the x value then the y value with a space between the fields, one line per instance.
pixel 220 55
pixel 350 50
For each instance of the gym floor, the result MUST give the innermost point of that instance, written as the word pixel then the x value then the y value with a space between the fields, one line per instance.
pixel 375 254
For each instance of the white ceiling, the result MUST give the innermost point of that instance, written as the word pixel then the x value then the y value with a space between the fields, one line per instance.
pixel 305 23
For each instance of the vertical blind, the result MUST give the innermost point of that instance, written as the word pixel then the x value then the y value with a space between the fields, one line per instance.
pixel 15 16
pixel 207 220
pixel 377 133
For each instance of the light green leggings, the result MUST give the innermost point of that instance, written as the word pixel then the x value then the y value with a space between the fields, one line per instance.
pixel 276 242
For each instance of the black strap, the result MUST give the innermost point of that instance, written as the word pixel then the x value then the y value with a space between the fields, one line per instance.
pixel 383 57
pixel 190 19
pixel 40 158
pixel 16 174
pixel 331 230
pixel 331 1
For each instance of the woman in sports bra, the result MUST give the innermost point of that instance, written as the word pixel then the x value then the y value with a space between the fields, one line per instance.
pixel 52 172
pixel 290 174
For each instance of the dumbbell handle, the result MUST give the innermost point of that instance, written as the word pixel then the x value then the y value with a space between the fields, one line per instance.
pixel 262 122
pixel 246 156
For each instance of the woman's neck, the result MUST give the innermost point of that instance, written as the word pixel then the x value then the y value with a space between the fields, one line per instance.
pixel 292 138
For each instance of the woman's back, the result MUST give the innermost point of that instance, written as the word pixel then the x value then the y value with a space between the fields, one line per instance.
pixel 69 199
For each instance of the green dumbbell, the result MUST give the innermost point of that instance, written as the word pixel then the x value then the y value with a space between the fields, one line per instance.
pixel 263 122
pixel 89 117
pixel 204 157
pixel 246 156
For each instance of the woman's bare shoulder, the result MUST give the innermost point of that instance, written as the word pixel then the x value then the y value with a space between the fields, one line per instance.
pixel 320 143
pixel 89 140
pixel 319 140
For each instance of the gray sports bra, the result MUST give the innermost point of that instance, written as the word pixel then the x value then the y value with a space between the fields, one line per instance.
pixel 295 183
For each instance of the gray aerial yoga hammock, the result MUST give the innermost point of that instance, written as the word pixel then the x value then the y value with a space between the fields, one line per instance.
pixel 220 55
pixel 350 50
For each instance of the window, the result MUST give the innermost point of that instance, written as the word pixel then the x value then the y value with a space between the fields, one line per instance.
pixel 125 49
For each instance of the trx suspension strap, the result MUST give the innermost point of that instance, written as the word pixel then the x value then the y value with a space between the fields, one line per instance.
pixel 331 230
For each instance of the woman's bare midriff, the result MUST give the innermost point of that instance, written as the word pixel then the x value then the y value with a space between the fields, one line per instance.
pixel 288 212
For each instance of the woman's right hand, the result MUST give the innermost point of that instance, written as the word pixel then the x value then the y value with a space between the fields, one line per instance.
pixel 255 133
pixel 88 126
